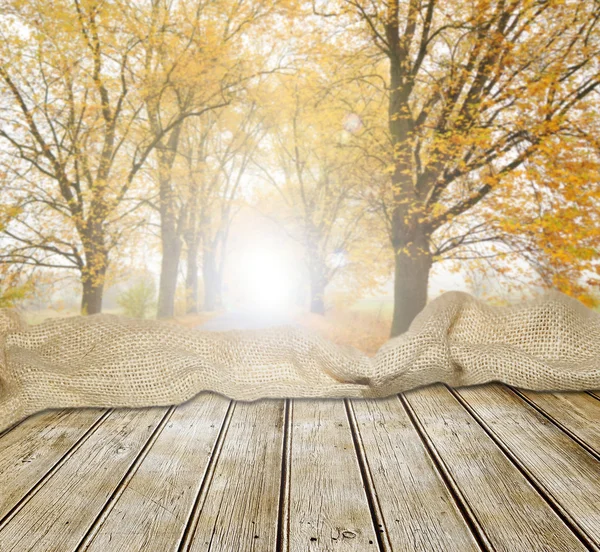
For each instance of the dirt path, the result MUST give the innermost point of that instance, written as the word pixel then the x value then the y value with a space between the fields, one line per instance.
pixel 243 320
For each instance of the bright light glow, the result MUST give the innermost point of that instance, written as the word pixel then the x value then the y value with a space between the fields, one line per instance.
pixel 267 278
pixel 352 123
pixel 338 259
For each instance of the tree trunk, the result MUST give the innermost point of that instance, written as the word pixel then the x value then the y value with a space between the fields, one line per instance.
pixel 171 251
pixel 192 237
pixel 410 238
pixel 91 299
pixel 412 266
pixel 212 280
pixel 191 278
pixel 171 228
pixel 172 220
pixel 317 295
pixel 93 273
pixel 318 281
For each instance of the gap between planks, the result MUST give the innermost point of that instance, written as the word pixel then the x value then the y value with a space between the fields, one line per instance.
pixel 379 524
pixel 445 475
pixel 192 523
pixel 560 511
pixel 42 481
pixel 283 520
pixel 112 500
pixel 571 434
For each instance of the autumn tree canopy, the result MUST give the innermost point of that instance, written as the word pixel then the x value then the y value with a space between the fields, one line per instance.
pixel 470 130
pixel 316 181
pixel 477 92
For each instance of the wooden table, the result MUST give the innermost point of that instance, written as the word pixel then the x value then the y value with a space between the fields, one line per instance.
pixel 486 467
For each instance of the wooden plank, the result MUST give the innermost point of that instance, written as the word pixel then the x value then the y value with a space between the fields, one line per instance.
pixel 152 511
pixel 507 509
pixel 576 413
pixel 58 515
pixel 239 511
pixel 568 474
pixel 418 510
pixel 328 508
pixel 36 446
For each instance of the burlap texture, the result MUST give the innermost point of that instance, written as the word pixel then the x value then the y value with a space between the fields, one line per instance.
pixel 551 343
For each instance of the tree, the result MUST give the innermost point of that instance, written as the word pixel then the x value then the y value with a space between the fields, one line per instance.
pixel 216 154
pixel 470 101
pixel 70 125
pixel 551 216
pixel 184 78
pixel 82 121
pixel 197 60
pixel 471 145
pixel 317 179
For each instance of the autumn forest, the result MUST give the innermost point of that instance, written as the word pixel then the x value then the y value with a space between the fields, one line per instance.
pixel 376 142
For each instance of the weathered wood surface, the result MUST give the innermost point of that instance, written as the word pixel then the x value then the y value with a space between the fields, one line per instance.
pixel 240 507
pixel 30 453
pixel 483 468
pixel 565 473
pixel 160 497
pixel 416 508
pixel 328 507
pixel 502 503
pixel 58 514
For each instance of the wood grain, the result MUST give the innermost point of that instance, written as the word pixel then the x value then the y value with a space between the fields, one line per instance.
pixel 154 508
pixel 57 516
pixel 576 413
pixel 484 467
pixel 34 447
pixel 419 511
pixel 328 507
pixel 512 514
pixel 567 472
pixel 240 509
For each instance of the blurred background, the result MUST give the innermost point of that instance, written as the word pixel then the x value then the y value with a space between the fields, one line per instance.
pixel 335 164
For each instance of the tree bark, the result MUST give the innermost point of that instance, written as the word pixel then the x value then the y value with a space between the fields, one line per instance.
pixel 409 236
pixel 192 237
pixel 212 279
pixel 93 272
pixel 412 267
pixel 91 299
pixel 172 219
pixel 318 279
pixel 172 223
pixel 191 278
pixel 171 252
pixel 170 236
pixel 317 295
pixel 93 277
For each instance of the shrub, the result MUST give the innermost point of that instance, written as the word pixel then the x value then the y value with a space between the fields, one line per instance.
pixel 138 300
pixel 13 290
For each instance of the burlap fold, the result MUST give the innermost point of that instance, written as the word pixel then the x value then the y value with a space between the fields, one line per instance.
pixel 551 343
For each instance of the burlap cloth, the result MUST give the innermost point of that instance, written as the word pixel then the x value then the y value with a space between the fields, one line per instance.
pixel 551 343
